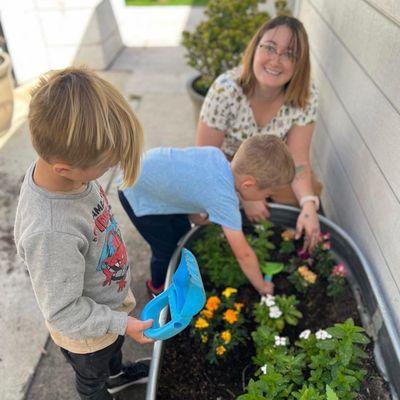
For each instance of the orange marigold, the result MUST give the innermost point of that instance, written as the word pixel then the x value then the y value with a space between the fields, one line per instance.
pixel 231 316
pixel 238 306
pixel 289 234
pixel 220 350
pixel 226 336
pixel 201 323
pixel 213 303
pixel 207 313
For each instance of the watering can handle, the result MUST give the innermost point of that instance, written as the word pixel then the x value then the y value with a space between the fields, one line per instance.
pixel 154 308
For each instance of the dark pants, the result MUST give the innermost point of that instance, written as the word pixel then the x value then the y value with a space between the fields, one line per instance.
pixel 92 370
pixel 162 233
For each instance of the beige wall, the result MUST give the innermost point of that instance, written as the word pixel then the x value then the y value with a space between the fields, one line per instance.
pixel 356 148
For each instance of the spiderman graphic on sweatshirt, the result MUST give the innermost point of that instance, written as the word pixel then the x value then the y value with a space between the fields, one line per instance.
pixel 113 261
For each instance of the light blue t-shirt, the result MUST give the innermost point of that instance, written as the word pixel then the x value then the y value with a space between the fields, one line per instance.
pixel 186 181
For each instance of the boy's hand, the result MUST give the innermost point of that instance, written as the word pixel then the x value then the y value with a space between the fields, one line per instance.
pixel 135 329
pixel 256 211
pixel 268 288
pixel 199 219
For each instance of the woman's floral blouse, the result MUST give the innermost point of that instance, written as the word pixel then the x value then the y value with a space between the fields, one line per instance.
pixel 227 109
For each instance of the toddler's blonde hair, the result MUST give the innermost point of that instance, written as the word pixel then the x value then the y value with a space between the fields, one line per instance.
pixel 79 118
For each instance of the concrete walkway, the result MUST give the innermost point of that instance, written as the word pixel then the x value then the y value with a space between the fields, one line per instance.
pixel 153 80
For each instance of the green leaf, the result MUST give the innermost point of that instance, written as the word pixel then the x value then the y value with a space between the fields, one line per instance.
pixel 330 394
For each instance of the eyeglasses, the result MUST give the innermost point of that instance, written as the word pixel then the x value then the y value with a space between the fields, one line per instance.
pixel 286 56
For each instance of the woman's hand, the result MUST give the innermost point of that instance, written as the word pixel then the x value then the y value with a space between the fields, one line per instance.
pixel 308 223
pixel 256 211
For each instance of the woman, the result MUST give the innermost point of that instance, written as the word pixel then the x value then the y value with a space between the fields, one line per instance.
pixel 271 93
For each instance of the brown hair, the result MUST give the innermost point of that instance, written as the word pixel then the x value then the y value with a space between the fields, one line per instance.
pixel 267 159
pixel 79 118
pixel 297 90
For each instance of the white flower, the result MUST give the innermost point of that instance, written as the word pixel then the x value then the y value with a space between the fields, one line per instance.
pixel 322 335
pixel 264 369
pixel 263 300
pixel 280 341
pixel 268 300
pixel 305 334
pixel 260 228
pixel 275 312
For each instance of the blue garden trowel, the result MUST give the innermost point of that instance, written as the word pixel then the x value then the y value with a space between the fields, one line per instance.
pixel 185 297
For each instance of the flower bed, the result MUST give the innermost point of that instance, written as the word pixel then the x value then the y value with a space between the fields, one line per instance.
pixel 287 347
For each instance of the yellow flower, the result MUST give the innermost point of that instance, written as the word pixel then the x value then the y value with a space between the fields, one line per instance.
pixel 230 316
pixel 220 350
pixel 302 270
pixel 226 336
pixel 207 313
pixel 287 235
pixel 204 338
pixel 201 323
pixel 229 291
pixel 306 274
pixel 213 303
pixel 311 277
pixel 238 306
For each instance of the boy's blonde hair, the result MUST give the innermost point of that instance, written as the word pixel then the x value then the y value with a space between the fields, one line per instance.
pixel 79 118
pixel 267 159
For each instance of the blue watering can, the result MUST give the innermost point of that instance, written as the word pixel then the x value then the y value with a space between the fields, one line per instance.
pixel 185 297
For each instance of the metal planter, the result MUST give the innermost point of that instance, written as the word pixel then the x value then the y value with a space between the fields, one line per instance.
pixel 371 305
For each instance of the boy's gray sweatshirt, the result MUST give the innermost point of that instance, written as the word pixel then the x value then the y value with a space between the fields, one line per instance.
pixel 76 259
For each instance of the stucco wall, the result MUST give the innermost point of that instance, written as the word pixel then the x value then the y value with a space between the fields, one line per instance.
pixel 47 34
pixel 356 62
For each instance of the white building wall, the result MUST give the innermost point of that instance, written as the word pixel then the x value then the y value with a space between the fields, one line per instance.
pixel 355 46
pixel 50 34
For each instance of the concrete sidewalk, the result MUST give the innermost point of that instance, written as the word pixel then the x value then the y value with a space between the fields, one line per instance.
pixel 153 80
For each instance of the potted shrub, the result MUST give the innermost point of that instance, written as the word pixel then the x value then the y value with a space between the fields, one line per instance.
pixel 6 93
pixel 217 43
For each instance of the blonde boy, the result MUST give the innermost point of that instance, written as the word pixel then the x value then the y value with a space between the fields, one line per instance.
pixel 65 231
pixel 176 185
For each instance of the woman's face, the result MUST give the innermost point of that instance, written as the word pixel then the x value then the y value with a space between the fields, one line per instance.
pixel 274 63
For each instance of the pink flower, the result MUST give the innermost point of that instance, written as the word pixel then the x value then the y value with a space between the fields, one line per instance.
pixel 303 254
pixel 339 270
pixel 324 236
pixel 326 246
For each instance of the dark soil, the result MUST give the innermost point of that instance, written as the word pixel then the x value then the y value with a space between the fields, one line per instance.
pixel 187 375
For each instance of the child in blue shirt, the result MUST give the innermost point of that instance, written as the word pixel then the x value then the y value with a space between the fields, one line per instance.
pixel 198 184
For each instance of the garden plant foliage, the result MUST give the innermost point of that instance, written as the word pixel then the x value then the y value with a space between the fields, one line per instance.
pixel 312 364
pixel 217 43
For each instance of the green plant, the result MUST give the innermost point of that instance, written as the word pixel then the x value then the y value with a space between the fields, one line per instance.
pixel 217 43
pixel 303 278
pixel 277 311
pixel 219 326
pixel 261 242
pixel 215 257
pixel 334 357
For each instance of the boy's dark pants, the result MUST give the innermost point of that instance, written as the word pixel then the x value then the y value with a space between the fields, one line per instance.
pixel 162 233
pixel 92 370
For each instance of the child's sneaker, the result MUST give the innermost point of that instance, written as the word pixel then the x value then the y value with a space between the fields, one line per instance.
pixel 131 374
pixel 153 291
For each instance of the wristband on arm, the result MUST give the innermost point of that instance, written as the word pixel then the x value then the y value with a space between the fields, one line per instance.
pixel 304 200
